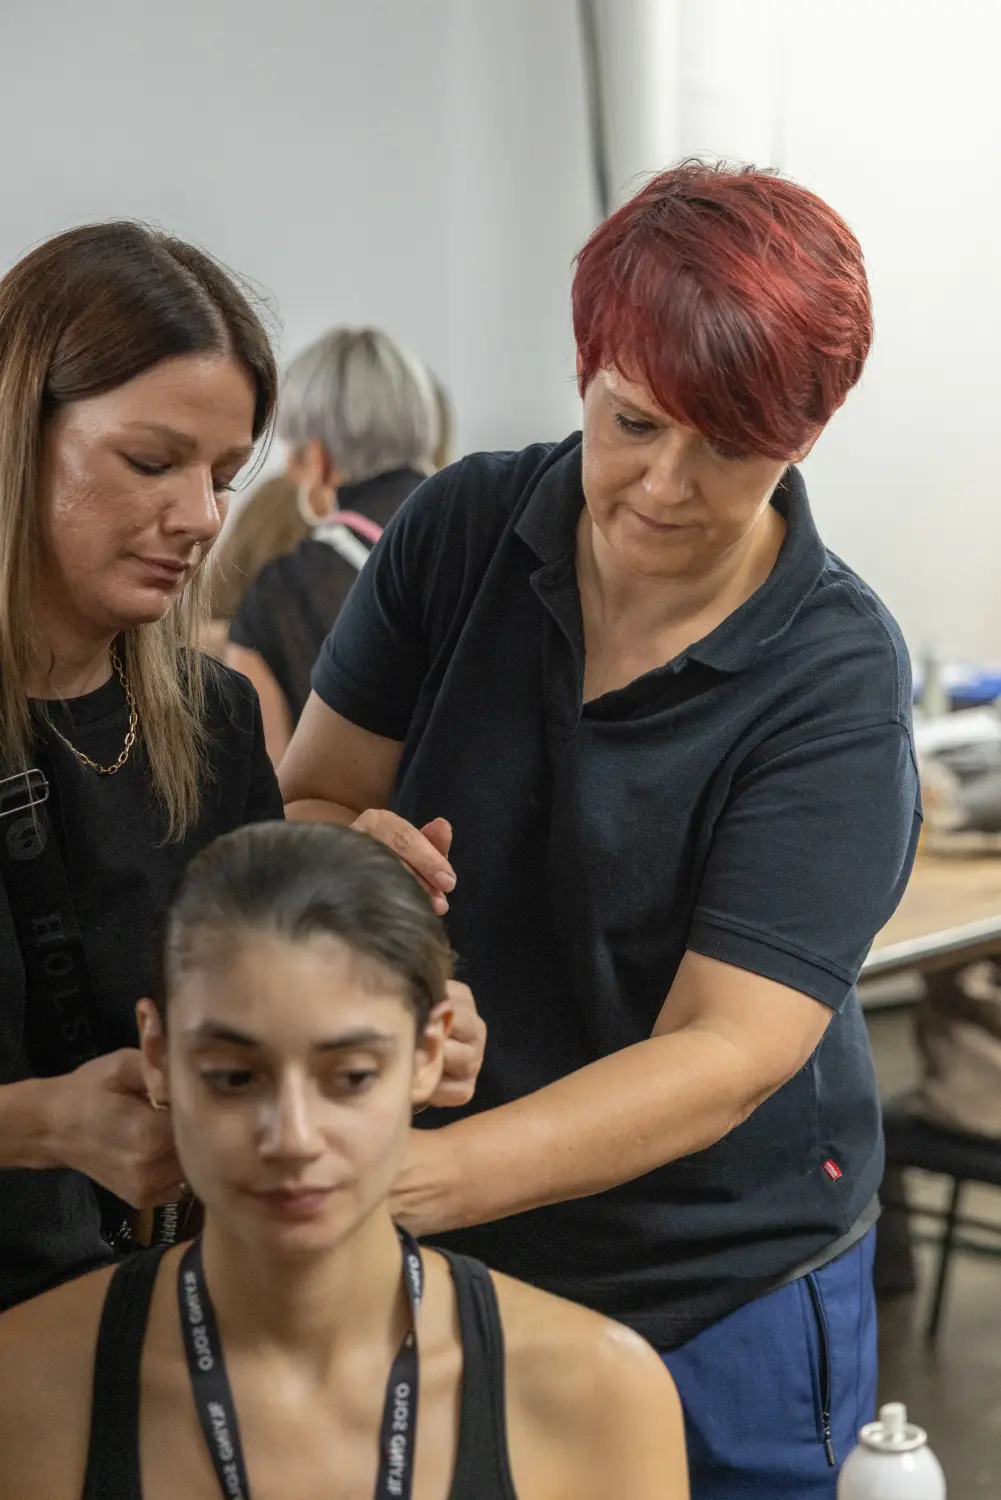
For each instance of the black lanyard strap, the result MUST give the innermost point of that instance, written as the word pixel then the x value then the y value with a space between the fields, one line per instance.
pixel 61 1016
pixel 62 1025
pixel 214 1398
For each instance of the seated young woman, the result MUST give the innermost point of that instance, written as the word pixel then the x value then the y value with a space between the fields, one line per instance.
pixel 302 1345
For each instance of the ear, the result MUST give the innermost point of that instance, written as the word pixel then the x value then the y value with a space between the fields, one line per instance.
pixel 322 474
pixel 312 463
pixel 153 1046
pixel 329 475
pixel 429 1055
pixel 294 465
pixel 580 376
pixel 317 479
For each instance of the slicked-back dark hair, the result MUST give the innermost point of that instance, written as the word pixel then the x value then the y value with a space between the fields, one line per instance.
pixel 300 880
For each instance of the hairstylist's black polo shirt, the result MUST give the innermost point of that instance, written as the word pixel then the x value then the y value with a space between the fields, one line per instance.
pixel 755 800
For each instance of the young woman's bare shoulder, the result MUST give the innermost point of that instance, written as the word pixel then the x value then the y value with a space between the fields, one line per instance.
pixel 588 1392
pixel 547 1338
pixel 67 1316
pixel 46 1371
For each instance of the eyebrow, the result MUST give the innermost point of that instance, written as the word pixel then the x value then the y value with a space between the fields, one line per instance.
pixel 184 441
pixel 640 411
pixel 358 1036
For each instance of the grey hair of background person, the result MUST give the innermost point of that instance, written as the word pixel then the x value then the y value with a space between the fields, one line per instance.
pixel 370 403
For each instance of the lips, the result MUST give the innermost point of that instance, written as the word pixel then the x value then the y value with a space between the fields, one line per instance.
pixel 165 570
pixel 663 528
pixel 297 1203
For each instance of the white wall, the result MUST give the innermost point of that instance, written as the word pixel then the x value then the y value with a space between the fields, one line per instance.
pixel 415 165
pixel 301 143
pixel 522 203
pixel 891 110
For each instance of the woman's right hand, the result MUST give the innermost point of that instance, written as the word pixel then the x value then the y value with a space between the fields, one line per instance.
pixel 99 1120
pixel 423 850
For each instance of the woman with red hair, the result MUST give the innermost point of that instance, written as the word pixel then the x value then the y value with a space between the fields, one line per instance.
pixel 671 735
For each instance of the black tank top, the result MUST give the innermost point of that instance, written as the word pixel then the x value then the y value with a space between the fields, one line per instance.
pixel 113 1473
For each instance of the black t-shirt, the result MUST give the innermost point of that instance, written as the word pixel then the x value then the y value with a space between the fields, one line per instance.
pixel 755 800
pixel 289 608
pixel 121 872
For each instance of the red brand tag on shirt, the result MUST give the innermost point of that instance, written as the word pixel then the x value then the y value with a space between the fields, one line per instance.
pixel 832 1169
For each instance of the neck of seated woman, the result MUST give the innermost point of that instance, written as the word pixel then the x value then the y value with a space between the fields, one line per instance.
pixel 308 1311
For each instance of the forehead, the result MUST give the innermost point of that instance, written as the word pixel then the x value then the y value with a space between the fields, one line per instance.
pixel 288 992
pixel 202 396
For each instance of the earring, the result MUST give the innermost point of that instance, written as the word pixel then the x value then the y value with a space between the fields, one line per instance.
pixel 304 507
pixel 156 1103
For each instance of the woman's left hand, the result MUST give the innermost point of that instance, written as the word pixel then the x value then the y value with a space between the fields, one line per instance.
pixel 467 1040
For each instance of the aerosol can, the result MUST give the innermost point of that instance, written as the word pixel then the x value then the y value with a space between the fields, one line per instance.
pixel 892 1462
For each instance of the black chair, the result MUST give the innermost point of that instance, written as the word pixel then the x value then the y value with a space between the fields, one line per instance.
pixel 913 1142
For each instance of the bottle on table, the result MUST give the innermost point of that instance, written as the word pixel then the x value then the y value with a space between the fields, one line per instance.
pixel 892 1462
pixel 934 692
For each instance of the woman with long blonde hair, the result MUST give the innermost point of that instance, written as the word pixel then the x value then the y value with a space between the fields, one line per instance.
pixel 136 381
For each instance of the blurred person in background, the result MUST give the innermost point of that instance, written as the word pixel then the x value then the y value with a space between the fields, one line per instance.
pixel 267 525
pixel 361 422
pixel 671 734
pixel 444 447
pixel 270 524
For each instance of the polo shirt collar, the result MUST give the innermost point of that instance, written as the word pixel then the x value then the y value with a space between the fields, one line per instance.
pixel 548 524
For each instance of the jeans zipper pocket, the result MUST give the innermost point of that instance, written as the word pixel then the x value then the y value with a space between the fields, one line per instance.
pixel 824 1366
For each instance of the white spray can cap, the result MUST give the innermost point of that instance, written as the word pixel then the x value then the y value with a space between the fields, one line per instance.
pixel 892 1462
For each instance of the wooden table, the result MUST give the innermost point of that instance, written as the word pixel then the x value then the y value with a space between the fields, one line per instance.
pixel 950 914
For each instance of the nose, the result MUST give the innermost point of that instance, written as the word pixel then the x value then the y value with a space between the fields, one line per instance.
pixel 195 509
pixel 667 480
pixel 287 1126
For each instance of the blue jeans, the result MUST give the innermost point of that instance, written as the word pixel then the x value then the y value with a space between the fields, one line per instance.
pixel 755 1386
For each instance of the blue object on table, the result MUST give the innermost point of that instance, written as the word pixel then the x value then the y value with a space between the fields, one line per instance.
pixel 966 685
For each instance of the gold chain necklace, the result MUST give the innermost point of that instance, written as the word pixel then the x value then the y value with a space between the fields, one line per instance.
pixel 130 737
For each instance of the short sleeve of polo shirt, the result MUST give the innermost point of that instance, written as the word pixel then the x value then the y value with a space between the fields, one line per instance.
pixel 374 661
pixel 810 858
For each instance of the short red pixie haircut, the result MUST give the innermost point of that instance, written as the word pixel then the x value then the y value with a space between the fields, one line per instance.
pixel 738 298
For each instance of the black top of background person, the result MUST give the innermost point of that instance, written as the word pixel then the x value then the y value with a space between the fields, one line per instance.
pixel 288 610
pixel 733 802
pixel 121 871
